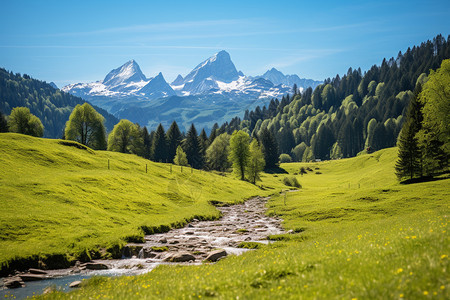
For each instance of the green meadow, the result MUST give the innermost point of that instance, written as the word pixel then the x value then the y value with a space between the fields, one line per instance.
pixel 60 202
pixel 356 232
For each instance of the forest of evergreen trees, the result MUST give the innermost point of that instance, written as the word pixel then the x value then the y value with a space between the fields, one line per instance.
pixel 344 116
pixel 50 105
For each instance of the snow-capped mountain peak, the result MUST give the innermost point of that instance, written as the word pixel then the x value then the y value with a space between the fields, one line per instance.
pixel 219 67
pixel 125 74
pixel 157 87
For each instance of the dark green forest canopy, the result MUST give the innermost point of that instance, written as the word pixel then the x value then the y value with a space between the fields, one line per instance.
pixel 357 111
pixel 50 105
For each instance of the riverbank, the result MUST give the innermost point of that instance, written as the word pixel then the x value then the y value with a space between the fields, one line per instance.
pixel 241 226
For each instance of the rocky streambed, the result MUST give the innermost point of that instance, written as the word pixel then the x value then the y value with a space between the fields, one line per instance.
pixel 197 242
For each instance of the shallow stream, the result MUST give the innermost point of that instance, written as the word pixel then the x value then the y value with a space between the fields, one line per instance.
pixel 245 222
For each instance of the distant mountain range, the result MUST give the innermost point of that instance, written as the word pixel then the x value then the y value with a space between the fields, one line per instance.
pixel 214 91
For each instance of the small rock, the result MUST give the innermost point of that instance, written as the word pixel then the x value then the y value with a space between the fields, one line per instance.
pixel 174 242
pixel 190 225
pixel 163 241
pixel 48 290
pixel 37 271
pixel 216 255
pixel 180 257
pixel 95 266
pixel 189 232
pixel 32 277
pixel 75 284
pixel 14 282
pixel 290 231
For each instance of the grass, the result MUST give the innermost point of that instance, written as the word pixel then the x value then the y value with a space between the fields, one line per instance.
pixel 357 234
pixel 59 200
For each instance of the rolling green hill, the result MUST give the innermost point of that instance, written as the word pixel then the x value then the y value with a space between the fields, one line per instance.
pixel 357 234
pixel 59 197
pixel 52 106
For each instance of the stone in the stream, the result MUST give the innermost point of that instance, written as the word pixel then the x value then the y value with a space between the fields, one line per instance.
pixel 132 250
pixel 95 266
pixel 163 241
pixel 32 277
pixel 37 271
pixel 173 242
pixel 216 255
pixel 75 284
pixel 14 282
pixel 180 257
pixel 189 233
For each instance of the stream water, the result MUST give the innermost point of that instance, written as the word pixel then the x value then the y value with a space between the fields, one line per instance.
pixel 239 223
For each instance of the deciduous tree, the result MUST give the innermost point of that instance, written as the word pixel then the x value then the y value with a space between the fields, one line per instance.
pixel 217 153
pixel 239 152
pixel 125 137
pixel 256 162
pixel 22 121
pixel 85 126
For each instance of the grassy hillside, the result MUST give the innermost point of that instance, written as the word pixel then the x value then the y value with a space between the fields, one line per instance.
pixel 58 197
pixel 358 235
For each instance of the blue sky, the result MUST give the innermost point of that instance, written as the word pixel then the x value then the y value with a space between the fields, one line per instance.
pixel 81 41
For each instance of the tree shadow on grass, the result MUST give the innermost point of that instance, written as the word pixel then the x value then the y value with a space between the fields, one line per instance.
pixel 276 170
pixel 425 179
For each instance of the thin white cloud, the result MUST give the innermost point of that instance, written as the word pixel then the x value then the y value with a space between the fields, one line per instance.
pixel 159 27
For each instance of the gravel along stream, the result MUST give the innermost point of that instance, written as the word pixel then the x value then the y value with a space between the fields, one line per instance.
pixel 196 242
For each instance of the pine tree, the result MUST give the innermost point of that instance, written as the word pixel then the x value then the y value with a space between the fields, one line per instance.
pixel 213 133
pixel 159 147
pixel 204 143
pixel 295 89
pixel 409 155
pixel 147 143
pixel 192 148
pixel 270 148
pixel 408 152
pixel 3 123
pixel 173 137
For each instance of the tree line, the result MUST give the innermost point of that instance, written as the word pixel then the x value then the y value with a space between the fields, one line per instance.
pixel 424 141
pixel 346 115
pixel 220 151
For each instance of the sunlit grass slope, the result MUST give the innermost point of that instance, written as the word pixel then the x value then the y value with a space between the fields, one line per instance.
pixel 59 198
pixel 357 234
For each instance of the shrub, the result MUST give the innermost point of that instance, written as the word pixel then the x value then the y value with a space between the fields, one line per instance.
pixel 285 158
pixel 291 181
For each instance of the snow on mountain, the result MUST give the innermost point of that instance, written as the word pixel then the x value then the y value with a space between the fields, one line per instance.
pixel 124 75
pixel 277 77
pixel 125 81
pixel 53 85
pixel 218 67
pixel 157 87
pixel 178 80
pixel 215 75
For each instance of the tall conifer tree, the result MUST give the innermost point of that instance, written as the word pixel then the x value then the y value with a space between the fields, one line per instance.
pixel 409 155
pixel 192 148
pixel 159 147
pixel 270 148
pixel 173 138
